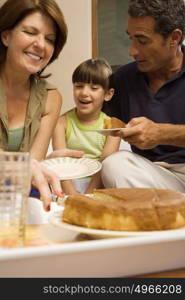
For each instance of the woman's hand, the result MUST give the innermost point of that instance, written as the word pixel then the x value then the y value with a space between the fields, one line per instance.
pixel 46 182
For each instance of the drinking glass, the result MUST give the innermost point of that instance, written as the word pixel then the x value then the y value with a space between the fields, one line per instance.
pixel 15 177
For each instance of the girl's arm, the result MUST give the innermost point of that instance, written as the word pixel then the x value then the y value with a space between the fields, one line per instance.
pixel 95 183
pixel 112 145
pixel 68 187
pixel 47 125
pixel 58 141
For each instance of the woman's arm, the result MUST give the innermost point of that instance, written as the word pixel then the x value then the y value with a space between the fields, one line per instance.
pixel 58 137
pixel 59 145
pixel 47 125
pixel 112 145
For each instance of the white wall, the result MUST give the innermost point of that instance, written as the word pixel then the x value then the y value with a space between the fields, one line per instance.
pixel 78 48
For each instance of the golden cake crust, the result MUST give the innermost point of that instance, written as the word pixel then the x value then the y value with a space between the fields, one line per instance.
pixel 127 209
pixel 113 123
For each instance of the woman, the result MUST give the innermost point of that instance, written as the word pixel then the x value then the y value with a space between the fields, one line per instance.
pixel 33 33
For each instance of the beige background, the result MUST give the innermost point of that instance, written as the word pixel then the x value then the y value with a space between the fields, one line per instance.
pixel 77 49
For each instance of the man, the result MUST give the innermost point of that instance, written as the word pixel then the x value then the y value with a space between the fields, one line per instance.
pixel 150 98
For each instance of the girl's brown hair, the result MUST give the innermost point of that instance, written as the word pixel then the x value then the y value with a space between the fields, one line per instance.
pixel 96 71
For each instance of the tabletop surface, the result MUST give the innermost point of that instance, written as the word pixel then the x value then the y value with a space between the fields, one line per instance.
pixel 35 238
pixel 166 274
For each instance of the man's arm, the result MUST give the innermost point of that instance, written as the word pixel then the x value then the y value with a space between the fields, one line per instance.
pixel 146 134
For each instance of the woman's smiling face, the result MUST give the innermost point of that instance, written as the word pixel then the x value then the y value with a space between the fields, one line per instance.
pixel 30 44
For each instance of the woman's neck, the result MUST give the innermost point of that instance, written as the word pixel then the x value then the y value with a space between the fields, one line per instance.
pixel 13 80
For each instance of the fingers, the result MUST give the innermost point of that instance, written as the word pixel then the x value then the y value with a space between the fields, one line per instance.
pixel 54 182
pixel 45 180
pixel 141 133
pixel 136 121
pixel 132 128
pixel 39 180
pixel 126 132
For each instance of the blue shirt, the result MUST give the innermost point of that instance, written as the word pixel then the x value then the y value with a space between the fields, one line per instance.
pixel 134 98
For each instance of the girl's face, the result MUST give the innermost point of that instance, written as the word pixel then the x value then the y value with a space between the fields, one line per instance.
pixel 30 45
pixel 89 97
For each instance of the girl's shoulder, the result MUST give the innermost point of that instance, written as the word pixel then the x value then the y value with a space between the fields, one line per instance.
pixel 65 118
pixel 70 112
pixel 104 115
pixel 61 123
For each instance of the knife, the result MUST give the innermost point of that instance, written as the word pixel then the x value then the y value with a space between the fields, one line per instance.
pixel 34 193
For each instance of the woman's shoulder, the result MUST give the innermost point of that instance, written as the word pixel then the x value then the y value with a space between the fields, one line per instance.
pixel 44 92
pixel 42 83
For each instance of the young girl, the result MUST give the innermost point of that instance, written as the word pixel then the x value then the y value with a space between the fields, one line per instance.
pixel 91 87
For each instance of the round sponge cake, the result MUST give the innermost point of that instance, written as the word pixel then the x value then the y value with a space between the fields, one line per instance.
pixel 127 209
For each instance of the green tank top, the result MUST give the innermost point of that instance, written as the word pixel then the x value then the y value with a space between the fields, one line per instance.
pixel 79 138
pixel 35 112
pixel 15 137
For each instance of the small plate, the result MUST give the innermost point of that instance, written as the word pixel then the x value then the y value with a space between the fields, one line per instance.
pixel 107 132
pixel 72 168
pixel 56 219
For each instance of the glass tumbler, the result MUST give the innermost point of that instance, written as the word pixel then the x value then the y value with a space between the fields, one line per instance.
pixel 15 177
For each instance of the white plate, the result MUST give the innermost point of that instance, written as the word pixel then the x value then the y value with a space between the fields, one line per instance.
pixel 56 217
pixel 72 168
pixel 107 131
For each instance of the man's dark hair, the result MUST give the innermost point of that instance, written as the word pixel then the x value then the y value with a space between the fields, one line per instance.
pixel 168 14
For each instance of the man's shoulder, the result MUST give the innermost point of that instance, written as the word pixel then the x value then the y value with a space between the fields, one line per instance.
pixel 128 72
pixel 127 68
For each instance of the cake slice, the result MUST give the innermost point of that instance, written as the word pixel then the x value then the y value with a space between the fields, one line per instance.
pixel 113 123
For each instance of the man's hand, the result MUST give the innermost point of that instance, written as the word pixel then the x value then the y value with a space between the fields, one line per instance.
pixel 141 133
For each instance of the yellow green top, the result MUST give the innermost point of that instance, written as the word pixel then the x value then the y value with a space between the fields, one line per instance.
pixel 79 137
pixel 15 137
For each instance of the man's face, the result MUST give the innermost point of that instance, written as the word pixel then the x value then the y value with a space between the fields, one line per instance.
pixel 151 51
